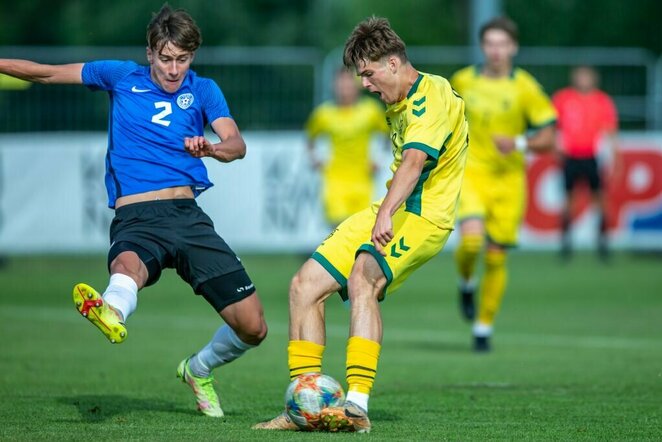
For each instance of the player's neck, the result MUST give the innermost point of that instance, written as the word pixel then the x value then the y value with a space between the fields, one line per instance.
pixel 410 76
pixel 492 71
pixel 585 91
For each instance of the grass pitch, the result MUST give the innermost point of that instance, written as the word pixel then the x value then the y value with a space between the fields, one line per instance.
pixel 577 356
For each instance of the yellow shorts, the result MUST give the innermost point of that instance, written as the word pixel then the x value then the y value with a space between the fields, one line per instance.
pixel 498 199
pixel 343 198
pixel 415 241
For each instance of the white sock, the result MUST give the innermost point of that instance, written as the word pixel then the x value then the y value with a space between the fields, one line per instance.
pixel 482 330
pixel 223 348
pixel 360 399
pixel 122 294
pixel 467 284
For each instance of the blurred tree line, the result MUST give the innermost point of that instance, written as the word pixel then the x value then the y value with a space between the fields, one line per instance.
pixel 325 24
pixel 273 96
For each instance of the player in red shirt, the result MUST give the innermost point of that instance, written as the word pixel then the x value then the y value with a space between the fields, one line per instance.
pixel 585 115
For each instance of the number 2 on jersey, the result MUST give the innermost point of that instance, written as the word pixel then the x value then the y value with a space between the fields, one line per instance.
pixel 167 110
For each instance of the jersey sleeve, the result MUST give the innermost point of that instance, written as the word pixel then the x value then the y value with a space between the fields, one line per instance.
pixel 610 115
pixel 214 104
pixel 104 75
pixel 428 125
pixel 457 81
pixel 558 101
pixel 314 126
pixel 538 108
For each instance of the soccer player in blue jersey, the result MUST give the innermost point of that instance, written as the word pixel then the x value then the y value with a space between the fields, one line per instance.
pixel 154 172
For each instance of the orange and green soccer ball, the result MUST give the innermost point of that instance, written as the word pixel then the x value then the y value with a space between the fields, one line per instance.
pixel 308 395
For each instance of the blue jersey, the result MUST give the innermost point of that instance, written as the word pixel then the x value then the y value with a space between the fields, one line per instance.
pixel 147 127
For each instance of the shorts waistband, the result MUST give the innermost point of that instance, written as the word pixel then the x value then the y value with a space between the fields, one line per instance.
pixel 176 202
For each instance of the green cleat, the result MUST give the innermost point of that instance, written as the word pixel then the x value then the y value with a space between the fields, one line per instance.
pixel 203 389
pixel 104 317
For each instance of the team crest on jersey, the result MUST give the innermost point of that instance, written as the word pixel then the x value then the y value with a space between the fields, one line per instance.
pixel 184 101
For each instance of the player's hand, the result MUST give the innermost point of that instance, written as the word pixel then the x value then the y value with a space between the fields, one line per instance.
pixel 382 232
pixel 198 146
pixel 505 145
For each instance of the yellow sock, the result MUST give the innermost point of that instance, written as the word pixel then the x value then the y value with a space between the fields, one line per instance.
pixel 362 357
pixel 304 357
pixel 466 253
pixel 493 286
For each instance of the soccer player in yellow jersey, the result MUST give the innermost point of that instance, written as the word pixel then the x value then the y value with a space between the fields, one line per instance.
pixel 372 252
pixel 349 123
pixel 509 115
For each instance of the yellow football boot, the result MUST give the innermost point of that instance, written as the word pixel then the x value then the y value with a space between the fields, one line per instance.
pixel 90 304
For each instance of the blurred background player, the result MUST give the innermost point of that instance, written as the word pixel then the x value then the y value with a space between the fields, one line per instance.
pixel 374 251
pixel 349 122
pixel 587 116
pixel 502 102
pixel 154 171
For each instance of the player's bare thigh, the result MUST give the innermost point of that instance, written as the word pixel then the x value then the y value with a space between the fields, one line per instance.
pixel 472 226
pixel 365 285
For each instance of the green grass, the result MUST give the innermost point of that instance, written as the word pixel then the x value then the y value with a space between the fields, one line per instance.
pixel 577 356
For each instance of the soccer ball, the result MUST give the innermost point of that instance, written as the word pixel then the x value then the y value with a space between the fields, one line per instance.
pixel 308 395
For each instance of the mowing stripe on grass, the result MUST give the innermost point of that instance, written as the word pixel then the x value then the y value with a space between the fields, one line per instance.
pixel 16 313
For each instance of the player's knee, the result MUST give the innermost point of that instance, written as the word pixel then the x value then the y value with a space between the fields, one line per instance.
pixel 296 286
pixel 472 243
pixel 495 258
pixel 252 331
pixel 300 291
pixel 128 263
pixel 361 288
pixel 254 334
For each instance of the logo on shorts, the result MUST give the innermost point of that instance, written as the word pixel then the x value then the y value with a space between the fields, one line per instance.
pixel 244 288
pixel 184 101
pixel 403 248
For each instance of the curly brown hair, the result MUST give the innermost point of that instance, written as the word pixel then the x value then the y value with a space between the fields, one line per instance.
pixel 372 39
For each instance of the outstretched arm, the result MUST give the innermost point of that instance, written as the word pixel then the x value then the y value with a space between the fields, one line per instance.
pixel 540 142
pixel 231 147
pixel 42 73
pixel 404 181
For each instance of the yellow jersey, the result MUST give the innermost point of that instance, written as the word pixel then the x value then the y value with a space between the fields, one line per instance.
pixel 349 129
pixel 431 119
pixel 12 83
pixel 507 106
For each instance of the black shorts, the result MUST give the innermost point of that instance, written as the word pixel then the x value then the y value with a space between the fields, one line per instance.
pixel 581 169
pixel 178 234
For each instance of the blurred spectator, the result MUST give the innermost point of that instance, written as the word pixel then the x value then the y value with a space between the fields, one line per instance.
pixel 586 116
